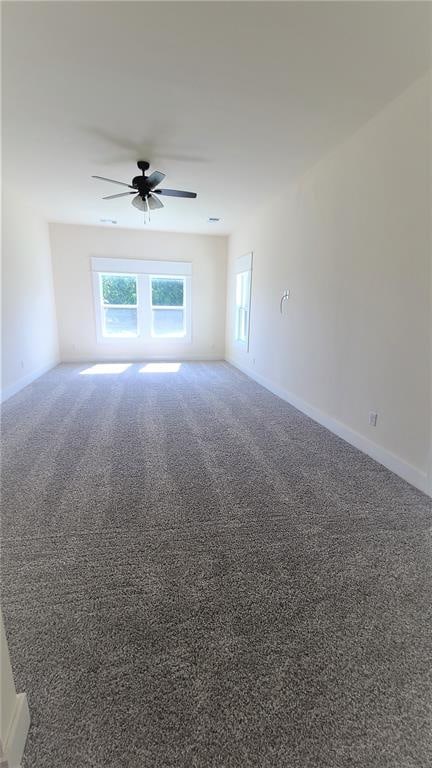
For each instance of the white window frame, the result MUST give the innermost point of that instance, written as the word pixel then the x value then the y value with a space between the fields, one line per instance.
pixel 243 266
pixel 144 271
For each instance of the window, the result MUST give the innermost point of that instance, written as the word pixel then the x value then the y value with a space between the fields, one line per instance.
pixel 119 305
pixel 242 305
pixel 141 300
pixel 242 299
pixel 167 298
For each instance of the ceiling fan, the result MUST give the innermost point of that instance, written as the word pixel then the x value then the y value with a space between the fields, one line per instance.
pixel 144 189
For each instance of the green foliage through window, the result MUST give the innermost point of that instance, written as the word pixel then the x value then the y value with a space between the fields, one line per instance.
pixel 119 289
pixel 167 292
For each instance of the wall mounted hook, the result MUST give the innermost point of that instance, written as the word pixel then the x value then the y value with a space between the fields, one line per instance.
pixel 285 295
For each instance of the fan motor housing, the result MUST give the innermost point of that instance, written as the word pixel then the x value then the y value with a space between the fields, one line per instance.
pixel 140 182
pixel 141 185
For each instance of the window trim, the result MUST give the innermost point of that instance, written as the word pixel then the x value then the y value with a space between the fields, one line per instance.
pixel 141 266
pixel 144 271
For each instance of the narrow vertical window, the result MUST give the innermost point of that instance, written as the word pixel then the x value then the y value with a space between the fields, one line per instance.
pixel 168 304
pixel 242 304
pixel 119 305
pixel 243 283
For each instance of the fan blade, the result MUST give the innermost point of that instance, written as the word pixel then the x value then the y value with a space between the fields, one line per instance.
pixel 154 202
pixel 154 179
pixel 139 203
pixel 113 181
pixel 121 194
pixel 175 193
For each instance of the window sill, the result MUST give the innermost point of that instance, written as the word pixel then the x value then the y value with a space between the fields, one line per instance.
pixel 153 340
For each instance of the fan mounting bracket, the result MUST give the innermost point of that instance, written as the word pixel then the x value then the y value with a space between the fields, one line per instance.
pixel 143 165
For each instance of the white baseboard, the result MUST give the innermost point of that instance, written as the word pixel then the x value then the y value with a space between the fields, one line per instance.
pixel 395 464
pixel 17 733
pixel 24 381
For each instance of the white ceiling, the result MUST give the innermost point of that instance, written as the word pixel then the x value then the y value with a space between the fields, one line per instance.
pixel 231 100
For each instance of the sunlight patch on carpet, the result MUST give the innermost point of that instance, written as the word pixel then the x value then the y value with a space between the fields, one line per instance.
pixel 100 368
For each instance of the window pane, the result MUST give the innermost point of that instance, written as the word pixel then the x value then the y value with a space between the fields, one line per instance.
pixel 245 289
pixel 120 322
pixel 239 290
pixel 167 292
pixel 168 322
pixel 242 289
pixel 242 306
pixel 119 289
pixel 242 320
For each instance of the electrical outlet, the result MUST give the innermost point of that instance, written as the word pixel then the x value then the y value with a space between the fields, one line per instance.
pixel 373 417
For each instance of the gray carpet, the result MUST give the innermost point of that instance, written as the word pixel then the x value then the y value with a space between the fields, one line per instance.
pixel 196 575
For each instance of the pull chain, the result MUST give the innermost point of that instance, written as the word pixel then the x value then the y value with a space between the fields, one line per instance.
pixel 146 212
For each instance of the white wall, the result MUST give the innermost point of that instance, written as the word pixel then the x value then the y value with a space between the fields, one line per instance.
pixel 29 329
pixel 352 242
pixel 72 246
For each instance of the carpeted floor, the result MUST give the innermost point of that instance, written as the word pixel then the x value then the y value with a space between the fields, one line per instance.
pixel 196 575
